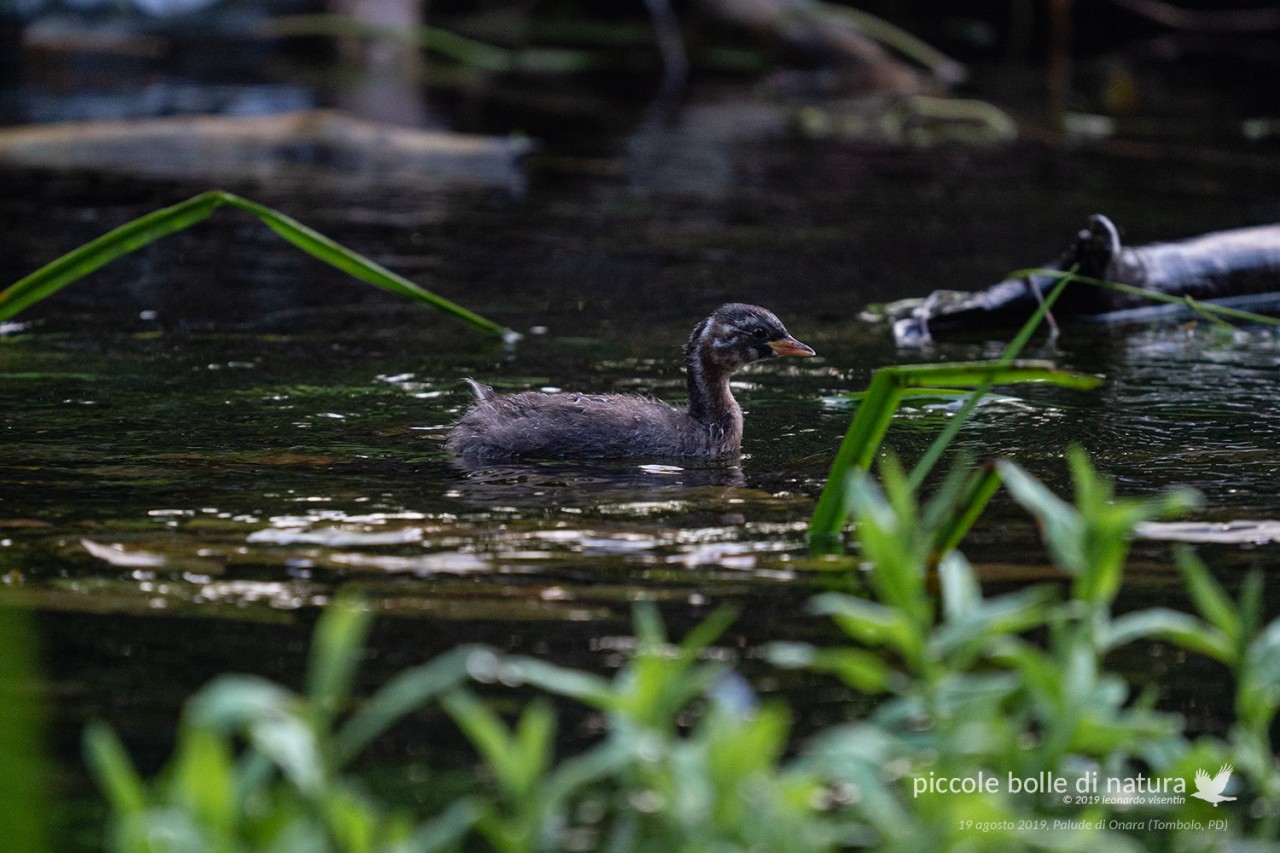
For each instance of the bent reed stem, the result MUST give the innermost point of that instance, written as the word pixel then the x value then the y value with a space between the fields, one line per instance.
pixel 887 389
pixel 146 229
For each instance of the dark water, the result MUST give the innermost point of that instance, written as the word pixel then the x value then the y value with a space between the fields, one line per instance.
pixel 206 440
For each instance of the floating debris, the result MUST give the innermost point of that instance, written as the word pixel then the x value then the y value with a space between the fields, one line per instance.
pixel 308 144
pixel 116 555
pixel 1224 532
pixel 334 537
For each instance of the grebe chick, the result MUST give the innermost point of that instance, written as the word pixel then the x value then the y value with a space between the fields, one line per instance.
pixel 536 425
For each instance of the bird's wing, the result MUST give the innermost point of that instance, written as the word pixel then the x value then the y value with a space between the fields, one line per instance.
pixel 1220 781
pixel 1202 780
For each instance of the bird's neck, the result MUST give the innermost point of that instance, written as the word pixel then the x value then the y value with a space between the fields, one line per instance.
pixel 710 400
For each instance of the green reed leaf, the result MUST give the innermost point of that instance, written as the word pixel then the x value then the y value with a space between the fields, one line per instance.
pixel 406 692
pixel 79 262
pixel 116 775
pixel 203 778
pixel 1199 306
pixel 336 649
pixel 875 414
pixel 1173 626
pixel 585 687
pixel 489 735
pixel 336 255
pixel 446 830
pixel 25 771
pixel 860 669
pixel 1208 595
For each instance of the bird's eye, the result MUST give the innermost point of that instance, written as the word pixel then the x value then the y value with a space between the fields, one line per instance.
pixel 760 333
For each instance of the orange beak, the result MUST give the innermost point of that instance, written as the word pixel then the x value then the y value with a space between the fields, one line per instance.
pixel 790 346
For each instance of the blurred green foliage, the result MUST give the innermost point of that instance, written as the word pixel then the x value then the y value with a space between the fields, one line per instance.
pixel 24 774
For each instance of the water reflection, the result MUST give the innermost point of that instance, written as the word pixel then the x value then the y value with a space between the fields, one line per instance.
pixel 599 480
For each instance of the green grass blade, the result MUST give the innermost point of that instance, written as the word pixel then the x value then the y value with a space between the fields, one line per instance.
pixel 609 758
pixel 868 622
pixel 877 408
pixel 1062 525
pixel 585 687
pixel 973 374
pixel 24 769
pixel 876 411
pixel 1156 296
pixel 651 633
pixel 862 670
pixel 1019 342
pixel 907 393
pixel 1201 311
pixel 336 650
pixel 489 736
pixel 1173 626
pixel 1208 595
pixel 469 52
pixel 707 631
pixel 900 40
pixel 405 693
pixel 970 503
pixel 960 592
pixel 78 263
pixel 533 740
pixel 858 448
pixel 110 764
pixel 944 438
pixel 202 778
pixel 447 829
pixel 322 248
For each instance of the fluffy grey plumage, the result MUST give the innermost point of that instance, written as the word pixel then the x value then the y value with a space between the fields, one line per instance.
pixel 584 426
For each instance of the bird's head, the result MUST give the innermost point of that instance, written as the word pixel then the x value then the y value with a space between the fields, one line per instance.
pixel 736 335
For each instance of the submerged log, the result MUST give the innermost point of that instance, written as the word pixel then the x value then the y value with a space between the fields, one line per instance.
pixel 1240 266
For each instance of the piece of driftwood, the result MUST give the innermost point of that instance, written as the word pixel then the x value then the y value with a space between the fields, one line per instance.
pixel 1238 268
pixel 309 144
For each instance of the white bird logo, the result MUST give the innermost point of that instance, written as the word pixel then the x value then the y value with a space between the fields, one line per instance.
pixel 1210 789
